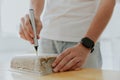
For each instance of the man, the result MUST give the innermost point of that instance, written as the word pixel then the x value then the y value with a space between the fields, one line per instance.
pixel 71 28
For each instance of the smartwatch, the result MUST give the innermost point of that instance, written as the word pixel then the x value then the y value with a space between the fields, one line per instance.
pixel 88 43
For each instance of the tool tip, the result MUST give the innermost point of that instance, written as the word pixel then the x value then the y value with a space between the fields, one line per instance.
pixel 36 48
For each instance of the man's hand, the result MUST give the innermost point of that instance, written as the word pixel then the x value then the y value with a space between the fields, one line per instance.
pixel 26 31
pixel 71 58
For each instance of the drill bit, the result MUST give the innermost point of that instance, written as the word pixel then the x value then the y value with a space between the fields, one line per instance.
pixel 36 49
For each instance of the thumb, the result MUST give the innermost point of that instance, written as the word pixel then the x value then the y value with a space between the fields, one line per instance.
pixel 38 31
pixel 39 27
pixel 38 36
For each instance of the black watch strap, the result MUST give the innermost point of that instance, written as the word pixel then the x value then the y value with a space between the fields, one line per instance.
pixel 88 43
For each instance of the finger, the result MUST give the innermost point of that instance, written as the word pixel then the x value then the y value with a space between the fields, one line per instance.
pixel 39 26
pixel 20 30
pixel 38 37
pixel 60 57
pixel 22 27
pixel 27 35
pixel 21 33
pixel 76 66
pixel 38 29
pixel 63 62
pixel 70 64
pixel 28 25
pixel 23 37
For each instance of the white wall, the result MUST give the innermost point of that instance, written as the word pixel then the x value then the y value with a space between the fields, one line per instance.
pixel 0 20
pixel 11 12
pixel 15 44
pixel 110 42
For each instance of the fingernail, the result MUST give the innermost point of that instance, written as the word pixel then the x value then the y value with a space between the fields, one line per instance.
pixel 61 70
pixel 55 70
pixel 38 37
pixel 53 65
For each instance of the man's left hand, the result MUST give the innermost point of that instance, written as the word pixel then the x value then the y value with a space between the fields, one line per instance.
pixel 71 58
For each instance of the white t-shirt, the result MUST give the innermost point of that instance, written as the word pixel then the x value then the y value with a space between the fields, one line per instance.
pixel 67 20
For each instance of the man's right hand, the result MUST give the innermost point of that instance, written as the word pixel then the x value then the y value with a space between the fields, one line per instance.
pixel 26 31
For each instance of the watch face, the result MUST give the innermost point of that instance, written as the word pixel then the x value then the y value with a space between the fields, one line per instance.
pixel 88 43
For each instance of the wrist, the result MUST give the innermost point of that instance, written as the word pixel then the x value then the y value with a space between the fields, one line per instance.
pixel 80 45
pixel 83 49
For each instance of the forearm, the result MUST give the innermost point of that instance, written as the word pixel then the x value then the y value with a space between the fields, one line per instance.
pixel 38 6
pixel 101 19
